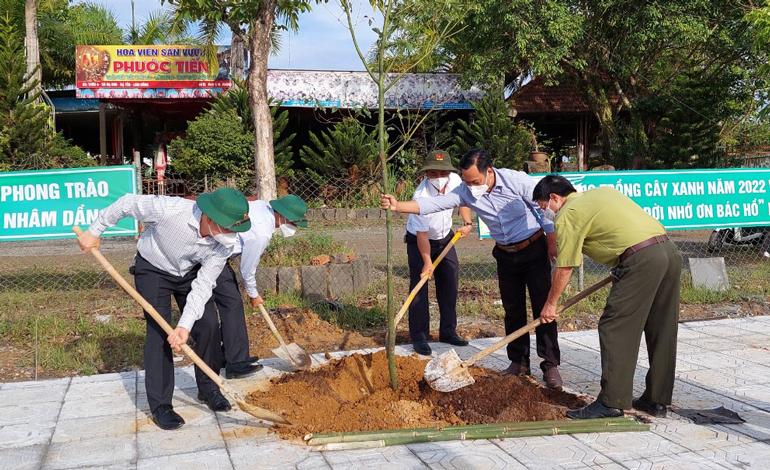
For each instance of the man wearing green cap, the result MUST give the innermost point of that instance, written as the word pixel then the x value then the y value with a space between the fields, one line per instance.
pixel 181 252
pixel 426 237
pixel 285 215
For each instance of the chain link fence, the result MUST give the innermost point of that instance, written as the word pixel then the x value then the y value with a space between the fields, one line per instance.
pixel 340 261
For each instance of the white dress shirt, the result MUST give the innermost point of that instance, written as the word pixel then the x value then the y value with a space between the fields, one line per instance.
pixel 171 241
pixel 437 224
pixel 252 243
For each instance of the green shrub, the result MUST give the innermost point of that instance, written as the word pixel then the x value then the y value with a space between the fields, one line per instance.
pixel 217 145
pixel 493 130
pixel 346 150
pixel 299 250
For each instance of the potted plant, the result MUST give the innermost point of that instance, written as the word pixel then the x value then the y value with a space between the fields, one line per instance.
pixel 535 154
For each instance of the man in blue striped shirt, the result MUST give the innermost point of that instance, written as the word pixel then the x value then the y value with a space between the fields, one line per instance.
pixel 525 244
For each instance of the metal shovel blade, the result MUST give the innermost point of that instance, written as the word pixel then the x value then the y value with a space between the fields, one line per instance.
pixel 294 355
pixel 446 373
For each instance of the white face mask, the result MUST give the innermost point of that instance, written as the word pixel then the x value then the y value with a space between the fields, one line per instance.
pixel 439 183
pixel 225 239
pixel 287 230
pixel 479 190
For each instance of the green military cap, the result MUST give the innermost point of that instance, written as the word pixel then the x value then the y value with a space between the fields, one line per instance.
pixel 292 207
pixel 438 160
pixel 227 207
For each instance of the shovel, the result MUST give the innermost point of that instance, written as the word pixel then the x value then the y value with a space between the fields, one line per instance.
pixel 288 352
pixel 447 372
pixel 410 298
pixel 255 411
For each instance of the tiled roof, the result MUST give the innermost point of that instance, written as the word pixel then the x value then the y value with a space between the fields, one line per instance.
pixel 537 98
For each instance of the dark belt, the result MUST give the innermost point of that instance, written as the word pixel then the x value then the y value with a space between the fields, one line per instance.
pixel 518 246
pixel 642 245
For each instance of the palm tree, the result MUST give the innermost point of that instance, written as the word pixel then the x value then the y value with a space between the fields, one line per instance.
pixel 162 27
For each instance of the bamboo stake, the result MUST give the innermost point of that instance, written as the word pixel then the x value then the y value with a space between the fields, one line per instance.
pixel 492 434
pixel 373 435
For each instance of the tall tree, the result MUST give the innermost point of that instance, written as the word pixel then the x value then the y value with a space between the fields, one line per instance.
pixel 259 18
pixel 386 69
pixel 616 52
pixel 32 44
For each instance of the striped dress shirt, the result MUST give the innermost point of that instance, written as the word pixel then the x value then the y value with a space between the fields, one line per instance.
pixel 171 241
pixel 508 209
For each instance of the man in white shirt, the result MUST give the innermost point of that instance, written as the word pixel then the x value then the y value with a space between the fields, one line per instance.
pixel 284 214
pixel 181 252
pixel 426 237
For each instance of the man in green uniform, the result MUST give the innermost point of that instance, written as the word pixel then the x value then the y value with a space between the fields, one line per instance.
pixel 613 230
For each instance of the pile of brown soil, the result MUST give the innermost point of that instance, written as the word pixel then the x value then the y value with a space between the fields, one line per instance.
pixel 354 394
pixel 304 327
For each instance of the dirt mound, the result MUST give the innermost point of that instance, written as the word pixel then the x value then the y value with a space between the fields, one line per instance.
pixel 305 328
pixel 354 394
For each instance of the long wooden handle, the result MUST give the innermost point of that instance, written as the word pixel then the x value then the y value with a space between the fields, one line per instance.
pixel 187 350
pixel 413 294
pixel 275 332
pixel 536 322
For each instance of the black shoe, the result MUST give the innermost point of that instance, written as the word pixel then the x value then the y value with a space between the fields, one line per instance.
pixel 422 347
pixel 166 418
pixel 241 370
pixel 517 368
pixel 651 408
pixel 454 340
pixel 552 378
pixel 252 359
pixel 595 410
pixel 216 401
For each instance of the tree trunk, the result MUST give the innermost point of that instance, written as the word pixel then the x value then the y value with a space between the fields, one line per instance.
pixel 602 109
pixel 259 45
pixel 238 53
pixel 33 46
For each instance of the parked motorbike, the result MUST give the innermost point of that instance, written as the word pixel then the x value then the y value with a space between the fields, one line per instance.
pixel 736 236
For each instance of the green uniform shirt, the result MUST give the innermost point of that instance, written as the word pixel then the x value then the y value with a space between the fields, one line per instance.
pixel 602 223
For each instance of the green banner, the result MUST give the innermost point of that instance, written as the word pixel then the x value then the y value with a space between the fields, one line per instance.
pixel 688 199
pixel 45 204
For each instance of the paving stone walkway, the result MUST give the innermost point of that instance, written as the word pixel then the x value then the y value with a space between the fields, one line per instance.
pixel 102 421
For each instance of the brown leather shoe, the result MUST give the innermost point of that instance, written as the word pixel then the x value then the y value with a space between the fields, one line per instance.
pixel 516 369
pixel 552 378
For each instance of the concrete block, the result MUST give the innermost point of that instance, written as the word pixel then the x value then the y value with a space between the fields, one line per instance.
pixel 340 214
pixel 182 441
pixel 23 458
pixel 267 280
pixel 216 459
pixel 372 213
pixel 709 273
pixel 25 435
pixel 315 281
pixel 340 280
pixel 352 214
pixel 361 273
pixel 327 214
pixel 123 425
pixel 100 452
pixel 288 280
pixel 313 214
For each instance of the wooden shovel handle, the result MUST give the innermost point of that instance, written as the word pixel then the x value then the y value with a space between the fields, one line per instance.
pixel 535 323
pixel 187 350
pixel 410 298
pixel 275 332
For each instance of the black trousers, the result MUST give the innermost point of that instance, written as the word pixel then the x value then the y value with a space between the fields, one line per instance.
pixel 528 269
pixel 158 287
pixel 446 279
pixel 235 337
